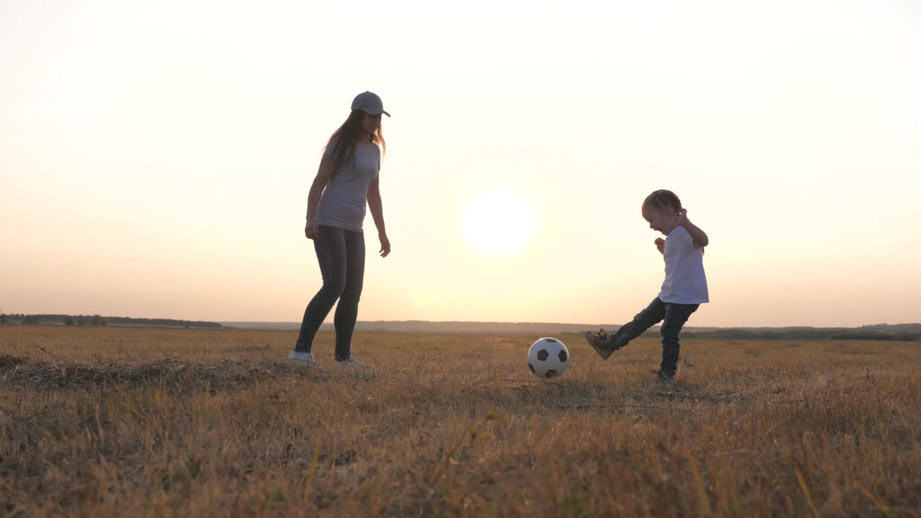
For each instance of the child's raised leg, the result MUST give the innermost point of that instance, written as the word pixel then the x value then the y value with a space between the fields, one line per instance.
pixel 675 317
pixel 652 315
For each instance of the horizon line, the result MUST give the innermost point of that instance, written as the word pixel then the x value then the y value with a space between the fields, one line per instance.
pixel 466 322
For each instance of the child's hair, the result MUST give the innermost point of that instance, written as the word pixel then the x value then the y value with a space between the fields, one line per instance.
pixel 662 199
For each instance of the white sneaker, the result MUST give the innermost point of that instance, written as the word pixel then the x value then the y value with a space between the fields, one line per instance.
pixel 349 363
pixel 302 358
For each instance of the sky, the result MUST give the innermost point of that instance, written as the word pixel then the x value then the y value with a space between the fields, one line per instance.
pixel 155 157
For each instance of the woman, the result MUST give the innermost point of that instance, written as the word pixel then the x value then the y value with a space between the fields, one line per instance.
pixel 346 181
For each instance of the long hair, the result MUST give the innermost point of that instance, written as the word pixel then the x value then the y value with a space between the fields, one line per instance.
pixel 344 139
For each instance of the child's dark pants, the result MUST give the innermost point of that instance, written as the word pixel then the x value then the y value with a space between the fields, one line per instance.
pixel 674 316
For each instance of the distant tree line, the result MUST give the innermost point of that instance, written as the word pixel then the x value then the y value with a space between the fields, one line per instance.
pixel 810 333
pixel 82 320
pixel 99 321
pixel 161 322
pixel 67 320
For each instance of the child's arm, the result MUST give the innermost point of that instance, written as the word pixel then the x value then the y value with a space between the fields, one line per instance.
pixel 698 235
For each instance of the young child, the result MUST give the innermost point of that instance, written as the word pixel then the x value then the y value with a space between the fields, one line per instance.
pixel 684 288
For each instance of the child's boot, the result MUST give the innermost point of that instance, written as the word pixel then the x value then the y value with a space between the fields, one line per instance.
pixel 600 342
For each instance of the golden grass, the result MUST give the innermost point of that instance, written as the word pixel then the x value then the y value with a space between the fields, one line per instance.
pixel 161 422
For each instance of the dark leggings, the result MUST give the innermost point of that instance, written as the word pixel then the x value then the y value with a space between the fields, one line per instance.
pixel 675 315
pixel 341 254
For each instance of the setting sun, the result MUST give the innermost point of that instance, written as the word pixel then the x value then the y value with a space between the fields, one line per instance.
pixel 498 223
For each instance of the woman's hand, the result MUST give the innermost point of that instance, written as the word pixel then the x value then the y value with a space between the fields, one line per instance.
pixel 385 245
pixel 327 166
pixel 311 230
pixel 660 244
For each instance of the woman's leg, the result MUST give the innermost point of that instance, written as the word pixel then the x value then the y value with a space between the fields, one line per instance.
pixel 643 320
pixel 675 317
pixel 347 309
pixel 331 254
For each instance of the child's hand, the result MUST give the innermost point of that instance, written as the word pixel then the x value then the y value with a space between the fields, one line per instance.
pixel 660 244
pixel 700 239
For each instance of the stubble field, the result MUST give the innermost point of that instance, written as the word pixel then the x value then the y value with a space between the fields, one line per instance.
pixel 185 422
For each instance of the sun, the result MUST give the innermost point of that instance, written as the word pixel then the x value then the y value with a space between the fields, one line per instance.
pixel 498 222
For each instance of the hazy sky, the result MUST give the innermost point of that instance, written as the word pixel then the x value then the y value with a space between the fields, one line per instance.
pixel 155 156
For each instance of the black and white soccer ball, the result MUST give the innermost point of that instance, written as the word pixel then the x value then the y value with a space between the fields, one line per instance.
pixel 548 358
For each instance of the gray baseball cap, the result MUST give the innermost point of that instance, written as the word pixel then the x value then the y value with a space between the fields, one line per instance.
pixel 369 103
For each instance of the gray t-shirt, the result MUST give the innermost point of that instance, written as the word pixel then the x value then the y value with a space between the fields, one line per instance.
pixel 343 201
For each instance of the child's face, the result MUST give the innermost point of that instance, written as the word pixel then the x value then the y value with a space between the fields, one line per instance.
pixel 663 220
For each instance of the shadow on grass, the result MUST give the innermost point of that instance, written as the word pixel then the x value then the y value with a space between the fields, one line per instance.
pixel 173 375
pixel 572 396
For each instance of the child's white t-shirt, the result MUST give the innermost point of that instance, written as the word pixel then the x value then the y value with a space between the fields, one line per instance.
pixel 685 282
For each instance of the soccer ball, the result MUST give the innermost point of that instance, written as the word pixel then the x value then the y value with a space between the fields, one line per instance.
pixel 548 358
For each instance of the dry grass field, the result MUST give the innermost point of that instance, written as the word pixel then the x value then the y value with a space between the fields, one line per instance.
pixel 185 422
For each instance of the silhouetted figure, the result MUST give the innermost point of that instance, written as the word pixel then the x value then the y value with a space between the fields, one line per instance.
pixel 348 179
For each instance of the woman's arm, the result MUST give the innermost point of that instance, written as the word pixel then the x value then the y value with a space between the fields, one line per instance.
pixel 327 166
pixel 377 213
pixel 698 235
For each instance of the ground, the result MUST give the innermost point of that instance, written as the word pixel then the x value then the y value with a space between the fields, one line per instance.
pixel 156 422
